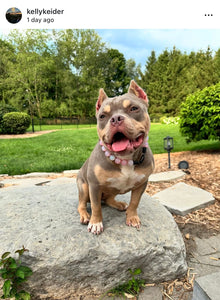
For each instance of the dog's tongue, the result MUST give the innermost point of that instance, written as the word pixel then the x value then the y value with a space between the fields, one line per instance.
pixel 120 145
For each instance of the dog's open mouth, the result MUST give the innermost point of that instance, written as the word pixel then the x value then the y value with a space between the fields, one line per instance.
pixel 121 143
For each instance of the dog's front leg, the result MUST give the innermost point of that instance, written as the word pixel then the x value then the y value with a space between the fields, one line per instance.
pixel 132 218
pixel 95 224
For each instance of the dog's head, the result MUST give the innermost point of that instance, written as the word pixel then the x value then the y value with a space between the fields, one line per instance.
pixel 123 122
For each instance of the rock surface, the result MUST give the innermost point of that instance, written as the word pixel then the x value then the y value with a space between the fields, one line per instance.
pixel 67 260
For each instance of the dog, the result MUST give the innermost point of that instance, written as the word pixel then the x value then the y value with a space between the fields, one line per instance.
pixel 120 162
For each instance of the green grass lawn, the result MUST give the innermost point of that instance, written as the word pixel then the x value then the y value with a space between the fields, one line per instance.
pixel 68 149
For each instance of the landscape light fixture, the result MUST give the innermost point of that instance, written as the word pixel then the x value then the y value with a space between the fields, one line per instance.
pixel 168 145
pixel 183 164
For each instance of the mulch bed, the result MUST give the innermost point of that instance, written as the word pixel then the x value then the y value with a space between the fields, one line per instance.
pixel 203 172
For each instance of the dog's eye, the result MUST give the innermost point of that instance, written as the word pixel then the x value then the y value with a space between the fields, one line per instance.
pixel 102 116
pixel 133 108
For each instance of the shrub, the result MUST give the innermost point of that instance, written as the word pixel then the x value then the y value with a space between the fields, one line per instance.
pixel 15 122
pixel 4 110
pixel 169 120
pixel 200 115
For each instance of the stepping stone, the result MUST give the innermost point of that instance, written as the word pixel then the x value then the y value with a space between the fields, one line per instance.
pixel 166 176
pixel 207 287
pixel 182 198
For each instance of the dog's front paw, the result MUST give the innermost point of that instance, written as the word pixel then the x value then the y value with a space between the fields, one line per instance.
pixel 133 221
pixel 96 228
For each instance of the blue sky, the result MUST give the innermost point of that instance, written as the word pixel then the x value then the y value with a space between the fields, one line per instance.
pixel 138 43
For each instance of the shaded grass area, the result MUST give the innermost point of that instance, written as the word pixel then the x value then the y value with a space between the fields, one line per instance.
pixel 68 149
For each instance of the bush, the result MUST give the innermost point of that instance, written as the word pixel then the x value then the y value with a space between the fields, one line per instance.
pixel 169 120
pixel 4 110
pixel 15 122
pixel 200 115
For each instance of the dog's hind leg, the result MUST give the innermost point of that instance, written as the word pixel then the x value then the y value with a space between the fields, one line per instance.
pixel 110 201
pixel 83 189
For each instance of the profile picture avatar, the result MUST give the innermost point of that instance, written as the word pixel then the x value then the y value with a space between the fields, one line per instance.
pixel 13 15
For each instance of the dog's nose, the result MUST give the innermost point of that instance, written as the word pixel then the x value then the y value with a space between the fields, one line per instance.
pixel 116 120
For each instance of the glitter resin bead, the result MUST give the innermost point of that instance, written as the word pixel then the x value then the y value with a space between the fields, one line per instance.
pixel 124 162
pixel 112 157
pixel 117 161
pixel 130 162
pixel 107 153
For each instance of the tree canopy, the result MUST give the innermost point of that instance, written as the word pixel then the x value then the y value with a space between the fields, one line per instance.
pixel 58 73
pixel 171 77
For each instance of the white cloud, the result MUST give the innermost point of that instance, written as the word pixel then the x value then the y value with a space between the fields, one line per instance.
pixel 138 43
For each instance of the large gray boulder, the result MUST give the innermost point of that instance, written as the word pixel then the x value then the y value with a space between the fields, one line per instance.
pixel 67 260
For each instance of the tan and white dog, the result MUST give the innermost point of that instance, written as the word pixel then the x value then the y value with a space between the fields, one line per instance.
pixel 120 162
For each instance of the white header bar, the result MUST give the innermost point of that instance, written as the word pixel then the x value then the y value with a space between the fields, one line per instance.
pixel 113 14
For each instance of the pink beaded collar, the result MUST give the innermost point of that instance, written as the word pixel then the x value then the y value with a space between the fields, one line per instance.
pixel 125 162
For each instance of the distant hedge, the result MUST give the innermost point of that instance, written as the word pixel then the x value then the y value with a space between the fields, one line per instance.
pixel 200 115
pixel 15 122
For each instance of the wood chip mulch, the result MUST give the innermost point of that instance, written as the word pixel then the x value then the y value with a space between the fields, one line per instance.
pixel 203 172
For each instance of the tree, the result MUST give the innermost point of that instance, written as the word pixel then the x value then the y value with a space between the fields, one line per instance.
pixel 29 73
pixel 62 110
pixel 201 70
pixel 7 57
pixel 216 63
pixel 79 51
pixel 48 108
pixel 147 77
pixel 133 71
pixel 176 81
pixel 115 71
pixel 155 79
pixel 172 76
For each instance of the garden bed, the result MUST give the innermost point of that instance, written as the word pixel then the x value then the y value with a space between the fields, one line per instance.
pixel 203 172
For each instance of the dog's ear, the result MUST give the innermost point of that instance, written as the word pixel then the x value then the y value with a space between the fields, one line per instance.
pixel 101 98
pixel 137 91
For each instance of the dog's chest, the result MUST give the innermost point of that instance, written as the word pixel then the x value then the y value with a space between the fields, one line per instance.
pixel 127 180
